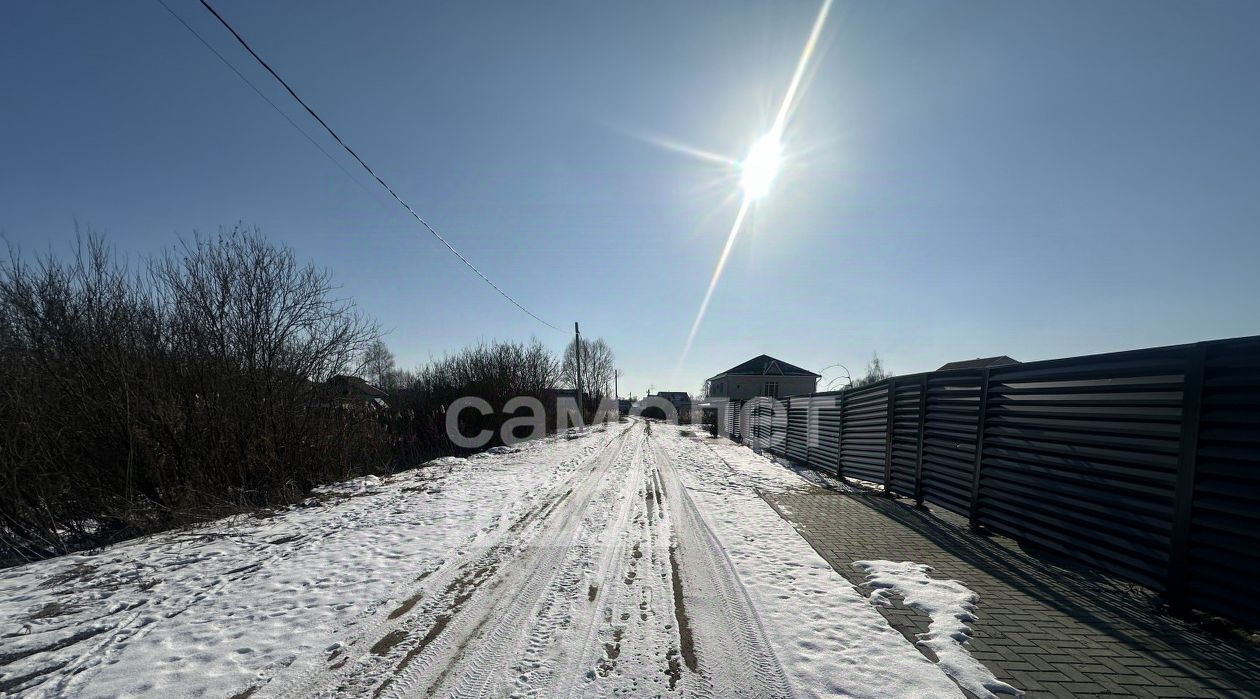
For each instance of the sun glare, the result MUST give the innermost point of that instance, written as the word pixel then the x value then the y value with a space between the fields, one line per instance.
pixel 758 170
pixel 760 167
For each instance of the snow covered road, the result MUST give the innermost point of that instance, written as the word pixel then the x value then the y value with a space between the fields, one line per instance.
pixel 621 562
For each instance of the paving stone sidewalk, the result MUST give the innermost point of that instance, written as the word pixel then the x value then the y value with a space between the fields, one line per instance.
pixel 1045 624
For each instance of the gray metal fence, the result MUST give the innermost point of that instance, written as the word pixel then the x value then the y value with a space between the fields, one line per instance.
pixel 1143 464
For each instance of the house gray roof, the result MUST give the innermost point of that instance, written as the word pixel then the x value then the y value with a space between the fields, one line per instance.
pixel 354 388
pixel 674 395
pixel 765 365
pixel 979 363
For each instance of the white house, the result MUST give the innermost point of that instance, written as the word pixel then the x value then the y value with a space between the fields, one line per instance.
pixel 762 376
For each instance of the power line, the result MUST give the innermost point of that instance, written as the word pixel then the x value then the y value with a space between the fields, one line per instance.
pixel 370 171
pixel 267 99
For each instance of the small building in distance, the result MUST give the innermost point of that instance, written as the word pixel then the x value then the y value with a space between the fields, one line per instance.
pixel 762 376
pixel 979 363
pixel 553 396
pixel 679 399
pixel 349 392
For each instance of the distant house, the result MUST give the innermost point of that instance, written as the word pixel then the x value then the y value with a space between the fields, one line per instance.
pixel 565 393
pixel 350 392
pixel 554 394
pixel 979 363
pixel 679 399
pixel 762 376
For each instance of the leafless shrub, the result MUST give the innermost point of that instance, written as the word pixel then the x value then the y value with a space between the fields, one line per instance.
pixel 135 399
pixel 494 371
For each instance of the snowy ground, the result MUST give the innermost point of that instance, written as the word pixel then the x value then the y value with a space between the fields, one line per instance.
pixel 615 563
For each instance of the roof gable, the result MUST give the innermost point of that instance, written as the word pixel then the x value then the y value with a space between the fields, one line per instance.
pixel 979 363
pixel 766 365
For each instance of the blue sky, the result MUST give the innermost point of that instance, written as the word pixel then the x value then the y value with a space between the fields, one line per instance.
pixel 961 179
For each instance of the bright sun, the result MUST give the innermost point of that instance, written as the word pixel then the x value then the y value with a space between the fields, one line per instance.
pixel 760 167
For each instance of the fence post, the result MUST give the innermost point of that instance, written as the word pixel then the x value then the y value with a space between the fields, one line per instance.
pixel 888 436
pixel 809 406
pixel 758 431
pixel 840 441
pixel 918 453
pixel 1187 463
pixel 974 513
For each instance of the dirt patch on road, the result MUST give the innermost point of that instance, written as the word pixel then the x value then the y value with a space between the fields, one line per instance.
pixel 659 485
pixel 52 610
pixel 540 512
pixel 407 605
pixel 461 590
pixel 387 643
pixel 79 572
pixel 674 669
pixel 9 683
pixel 649 497
pixel 686 638
pixel 7 658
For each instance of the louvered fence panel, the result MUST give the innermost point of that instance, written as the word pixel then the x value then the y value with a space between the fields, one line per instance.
pixel 865 435
pixel 758 430
pixel 777 412
pixel 1144 464
pixel 905 434
pixel 1080 455
pixel 1224 546
pixel 824 450
pixel 797 447
pixel 950 434
pixel 767 425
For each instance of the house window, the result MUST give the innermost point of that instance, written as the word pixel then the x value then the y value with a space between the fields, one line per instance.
pixel 771 389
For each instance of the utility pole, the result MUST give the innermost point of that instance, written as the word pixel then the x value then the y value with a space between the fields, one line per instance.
pixel 616 393
pixel 577 362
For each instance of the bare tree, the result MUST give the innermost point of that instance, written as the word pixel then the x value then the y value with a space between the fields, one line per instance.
pixel 137 398
pixel 875 372
pixel 378 366
pixel 598 367
pixel 847 378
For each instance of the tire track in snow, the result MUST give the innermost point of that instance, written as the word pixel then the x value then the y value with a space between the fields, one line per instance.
pixel 589 559
pixel 545 605
pixel 603 593
pixel 351 668
pixel 731 648
pixel 659 534
pixel 476 650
